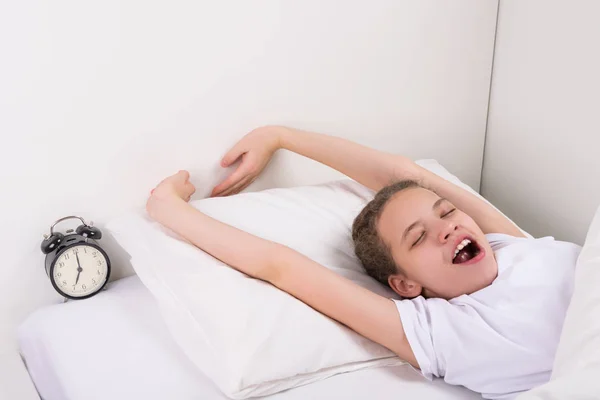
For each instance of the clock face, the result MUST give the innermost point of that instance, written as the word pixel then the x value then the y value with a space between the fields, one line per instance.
pixel 80 270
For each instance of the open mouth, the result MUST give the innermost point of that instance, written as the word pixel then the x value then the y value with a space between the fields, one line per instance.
pixel 465 251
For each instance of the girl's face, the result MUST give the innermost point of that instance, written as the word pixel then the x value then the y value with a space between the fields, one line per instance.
pixel 441 251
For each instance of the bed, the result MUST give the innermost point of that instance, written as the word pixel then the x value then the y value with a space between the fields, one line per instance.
pixel 123 350
pixel 155 87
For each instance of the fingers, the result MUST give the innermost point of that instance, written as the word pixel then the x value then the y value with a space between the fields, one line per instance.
pixel 177 180
pixel 191 190
pixel 250 182
pixel 183 174
pixel 232 155
pixel 231 180
pixel 238 187
pixel 241 185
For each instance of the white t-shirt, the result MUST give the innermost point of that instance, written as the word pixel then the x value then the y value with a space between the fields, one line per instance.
pixel 500 340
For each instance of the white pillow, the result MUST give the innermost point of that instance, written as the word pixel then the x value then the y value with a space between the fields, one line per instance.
pixel 249 337
pixel 576 370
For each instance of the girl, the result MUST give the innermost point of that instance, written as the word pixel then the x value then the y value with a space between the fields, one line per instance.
pixel 482 305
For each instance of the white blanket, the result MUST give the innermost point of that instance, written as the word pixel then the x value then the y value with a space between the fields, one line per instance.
pixel 576 373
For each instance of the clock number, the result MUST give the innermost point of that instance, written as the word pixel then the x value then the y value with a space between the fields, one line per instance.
pixel 83 286
pixel 85 250
pixel 98 272
pixel 99 262
pixel 75 250
pixel 93 280
pixel 74 286
pixel 61 264
pixel 66 256
pixel 59 274
pixel 64 283
pixel 95 254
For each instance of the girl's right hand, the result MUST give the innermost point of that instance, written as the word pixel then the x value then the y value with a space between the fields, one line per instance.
pixel 256 150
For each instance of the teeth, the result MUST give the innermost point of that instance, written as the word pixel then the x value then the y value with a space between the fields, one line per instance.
pixel 461 246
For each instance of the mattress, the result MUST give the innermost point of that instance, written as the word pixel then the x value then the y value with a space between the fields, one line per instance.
pixel 116 346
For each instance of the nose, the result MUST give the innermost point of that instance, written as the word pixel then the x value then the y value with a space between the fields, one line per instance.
pixel 445 230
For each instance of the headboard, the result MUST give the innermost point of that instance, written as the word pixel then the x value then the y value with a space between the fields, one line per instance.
pixel 100 101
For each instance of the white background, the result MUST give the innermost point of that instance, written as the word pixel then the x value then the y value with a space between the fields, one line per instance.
pixel 101 100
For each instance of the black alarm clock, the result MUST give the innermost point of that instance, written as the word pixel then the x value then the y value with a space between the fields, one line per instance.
pixel 77 266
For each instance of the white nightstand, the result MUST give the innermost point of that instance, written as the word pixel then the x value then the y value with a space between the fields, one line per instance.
pixel 15 383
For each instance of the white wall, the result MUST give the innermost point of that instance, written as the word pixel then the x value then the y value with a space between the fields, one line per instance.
pixel 101 100
pixel 542 154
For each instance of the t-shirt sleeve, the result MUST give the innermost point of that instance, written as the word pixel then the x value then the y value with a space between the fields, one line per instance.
pixel 416 321
pixel 449 340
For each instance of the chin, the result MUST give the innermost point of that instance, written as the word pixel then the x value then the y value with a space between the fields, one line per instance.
pixel 487 271
pixel 489 267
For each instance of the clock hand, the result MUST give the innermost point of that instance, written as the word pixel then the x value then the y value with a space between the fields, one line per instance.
pixel 79 269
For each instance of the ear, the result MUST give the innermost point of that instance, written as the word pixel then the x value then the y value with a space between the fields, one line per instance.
pixel 404 287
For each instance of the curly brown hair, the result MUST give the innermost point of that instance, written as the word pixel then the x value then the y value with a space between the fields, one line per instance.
pixel 370 249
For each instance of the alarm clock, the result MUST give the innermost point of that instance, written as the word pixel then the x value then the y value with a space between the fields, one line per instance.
pixel 76 265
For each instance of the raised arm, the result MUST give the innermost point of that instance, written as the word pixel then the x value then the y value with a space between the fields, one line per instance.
pixel 376 169
pixel 365 312
pixel 489 219
pixel 373 168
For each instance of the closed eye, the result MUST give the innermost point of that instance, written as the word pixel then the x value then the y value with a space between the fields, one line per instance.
pixel 449 212
pixel 419 239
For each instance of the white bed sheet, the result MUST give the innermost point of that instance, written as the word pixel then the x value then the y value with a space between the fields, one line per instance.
pixel 115 346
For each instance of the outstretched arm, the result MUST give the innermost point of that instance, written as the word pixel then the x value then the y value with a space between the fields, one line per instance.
pixel 373 168
pixel 377 169
pixel 365 312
